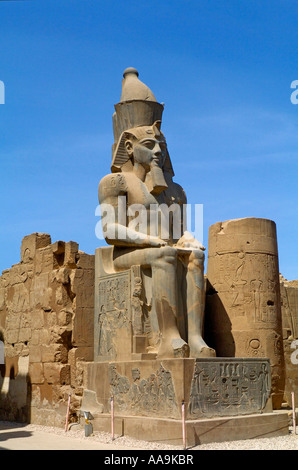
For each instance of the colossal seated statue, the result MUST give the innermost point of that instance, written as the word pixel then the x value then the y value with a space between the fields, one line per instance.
pixel 143 218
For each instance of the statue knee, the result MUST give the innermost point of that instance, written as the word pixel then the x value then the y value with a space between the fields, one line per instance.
pixel 166 255
pixel 196 259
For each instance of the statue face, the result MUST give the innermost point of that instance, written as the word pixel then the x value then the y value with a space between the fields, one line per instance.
pixel 149 151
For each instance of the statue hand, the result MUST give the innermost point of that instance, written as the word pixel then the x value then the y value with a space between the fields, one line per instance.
pixel 157 242
pixel 187 241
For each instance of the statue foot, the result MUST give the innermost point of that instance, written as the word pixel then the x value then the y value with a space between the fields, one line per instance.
pixel 198 348
pixel 176 348
pixel 180 347
pixel 207 352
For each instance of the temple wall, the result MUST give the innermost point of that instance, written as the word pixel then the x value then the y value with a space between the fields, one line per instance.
pixel 289 308
pixel 46 324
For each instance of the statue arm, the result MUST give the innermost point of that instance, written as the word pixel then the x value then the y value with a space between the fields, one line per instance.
pixel 112 195
pixel 187 241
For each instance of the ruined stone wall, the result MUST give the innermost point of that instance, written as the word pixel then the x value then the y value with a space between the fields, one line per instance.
pixel 289 308
pixel 46 323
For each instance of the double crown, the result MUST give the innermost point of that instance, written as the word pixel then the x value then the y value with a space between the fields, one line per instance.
pixel 137 108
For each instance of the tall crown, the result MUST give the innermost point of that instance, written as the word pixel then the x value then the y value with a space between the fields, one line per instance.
pixel 137 107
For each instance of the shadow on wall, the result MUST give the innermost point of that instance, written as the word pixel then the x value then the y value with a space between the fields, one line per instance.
pixel 217 325
pixel 15 389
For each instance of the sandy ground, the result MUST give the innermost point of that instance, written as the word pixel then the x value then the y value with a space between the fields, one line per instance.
pixel 14 436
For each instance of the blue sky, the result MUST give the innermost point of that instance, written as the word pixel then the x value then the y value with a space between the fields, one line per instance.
pixel 223 70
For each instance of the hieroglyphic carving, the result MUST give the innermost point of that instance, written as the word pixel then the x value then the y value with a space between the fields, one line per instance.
pixel 136 301
pixel 148 396
pixel 229 387
pixel 244 299
pixel 113 311
pixel 241 275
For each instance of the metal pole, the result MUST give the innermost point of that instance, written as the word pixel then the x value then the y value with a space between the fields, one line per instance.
pixel 183 424
pixel 112 417
pixel 67 414
pixel 294 413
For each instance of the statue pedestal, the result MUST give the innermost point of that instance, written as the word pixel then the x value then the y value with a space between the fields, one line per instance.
pixel 225 399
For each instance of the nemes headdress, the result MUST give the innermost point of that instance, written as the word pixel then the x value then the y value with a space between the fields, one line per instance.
pixel 138 112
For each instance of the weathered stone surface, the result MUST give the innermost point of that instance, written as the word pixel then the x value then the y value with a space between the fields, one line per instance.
pixel 43 320
pixel 243 296
pixel 36 373
pixel 31 243
pixel 229 387
pixel 289 299
pixel 201 431
pixel 209 387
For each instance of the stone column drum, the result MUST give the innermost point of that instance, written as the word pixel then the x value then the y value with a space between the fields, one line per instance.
pixel 243 308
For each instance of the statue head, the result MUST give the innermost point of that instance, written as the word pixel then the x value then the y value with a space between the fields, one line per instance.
pixel 144 146
pixel 138 138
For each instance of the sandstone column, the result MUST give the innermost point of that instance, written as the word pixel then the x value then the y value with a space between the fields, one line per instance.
pixel 243 317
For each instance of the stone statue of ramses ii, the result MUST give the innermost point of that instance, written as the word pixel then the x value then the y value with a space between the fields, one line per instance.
pixel 141 181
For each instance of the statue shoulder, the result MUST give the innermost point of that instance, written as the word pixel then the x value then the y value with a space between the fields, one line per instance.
pixel 112 185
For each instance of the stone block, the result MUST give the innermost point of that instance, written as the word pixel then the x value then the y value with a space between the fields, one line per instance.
pixel 12 336
pixel 85 261
pixel 43 262
pixel 71 250
pixel 83 332
pixel 61 275
pixel 55 373
pixel 25 320
pixel 169 431
pixel 140 342
pixel 50 318
pixel 24 334
pixel 36 375
pixel 54 353
pixel 18 274
pixel 76 357
pixel 31 243
pixel 44 336
pixel 40 291
pixel 85 296
pixel 38 318
pixel 64 317
pixel 9 351
pixel 18 298
pixel 65 253
pixel 35 338
pixel 35 353
pixel 81 278
pixel 62 296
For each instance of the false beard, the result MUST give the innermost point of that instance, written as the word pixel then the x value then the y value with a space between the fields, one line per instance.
pixel 155 180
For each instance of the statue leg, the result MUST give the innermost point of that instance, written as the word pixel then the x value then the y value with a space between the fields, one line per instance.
pixel 163 262
pixel 196 305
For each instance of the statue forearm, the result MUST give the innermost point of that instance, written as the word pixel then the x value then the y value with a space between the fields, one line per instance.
pixel 117 234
